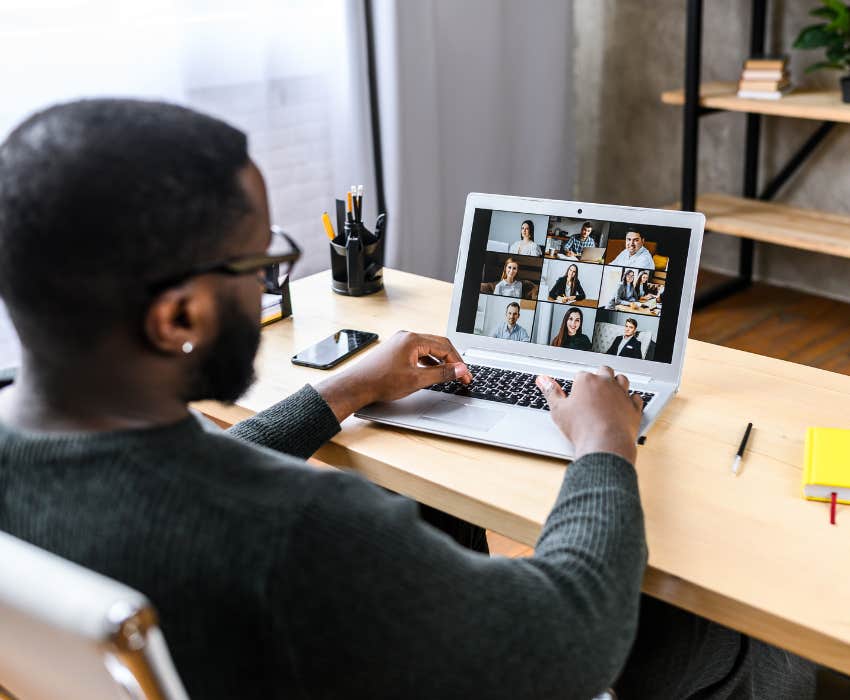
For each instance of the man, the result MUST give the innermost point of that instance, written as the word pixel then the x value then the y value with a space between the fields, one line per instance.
pixel 575 244
pixel 634 254
pixel 510 329
pixel 626 345
pixel 274 579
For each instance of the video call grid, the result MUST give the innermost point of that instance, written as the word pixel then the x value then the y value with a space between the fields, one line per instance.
pixel 632 291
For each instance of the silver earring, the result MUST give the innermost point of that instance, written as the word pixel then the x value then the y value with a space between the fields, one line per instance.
pixel 188 347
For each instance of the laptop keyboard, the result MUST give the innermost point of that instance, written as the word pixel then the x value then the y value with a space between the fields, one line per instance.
pixel 506 386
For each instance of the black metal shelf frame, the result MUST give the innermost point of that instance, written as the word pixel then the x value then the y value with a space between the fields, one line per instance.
pixel 693 111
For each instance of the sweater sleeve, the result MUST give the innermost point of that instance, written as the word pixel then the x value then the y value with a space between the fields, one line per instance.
pixel 373 598
pixel 580 295
pixel 299 425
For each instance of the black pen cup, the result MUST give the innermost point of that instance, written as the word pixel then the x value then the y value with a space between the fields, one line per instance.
pixel 357 261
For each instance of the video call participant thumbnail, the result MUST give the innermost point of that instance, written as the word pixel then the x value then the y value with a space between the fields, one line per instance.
pixel 510 329
pixel 526 245
pixel 570 335
pixel 634 254
pixel 567 288
pixel 509 285
pixel 627 291
pixel 576 243
pixel 627 345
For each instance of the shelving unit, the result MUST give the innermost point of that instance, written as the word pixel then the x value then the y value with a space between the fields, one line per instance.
pixel 752 216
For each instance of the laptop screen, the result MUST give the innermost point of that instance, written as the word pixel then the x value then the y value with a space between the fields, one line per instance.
pixel 606 287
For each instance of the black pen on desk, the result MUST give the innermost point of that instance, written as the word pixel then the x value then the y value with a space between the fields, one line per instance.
pixel 360 203
pixel 737 463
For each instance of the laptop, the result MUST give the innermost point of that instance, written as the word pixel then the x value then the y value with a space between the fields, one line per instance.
pixel 507 341
pixel 593 255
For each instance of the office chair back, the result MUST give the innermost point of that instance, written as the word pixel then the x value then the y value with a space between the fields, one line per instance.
pixel 71 634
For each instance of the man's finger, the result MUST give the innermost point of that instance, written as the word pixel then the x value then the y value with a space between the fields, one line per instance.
pixel 623 381
pixel 439 347
pixel 638 402
pixel 550 389
pixel 605 371
pixel 446 372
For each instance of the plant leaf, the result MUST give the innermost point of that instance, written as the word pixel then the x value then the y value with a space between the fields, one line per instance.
pixel 825 12
pixel 814 36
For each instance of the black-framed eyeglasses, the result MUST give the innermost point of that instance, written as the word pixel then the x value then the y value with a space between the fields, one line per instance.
pixel 282 251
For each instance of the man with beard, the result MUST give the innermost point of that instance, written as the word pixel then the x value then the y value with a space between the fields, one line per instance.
pixel 272 579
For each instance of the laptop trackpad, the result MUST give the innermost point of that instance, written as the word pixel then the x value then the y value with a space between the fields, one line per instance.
pixel 462 415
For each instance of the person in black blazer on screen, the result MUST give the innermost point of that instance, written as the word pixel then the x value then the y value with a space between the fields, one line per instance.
pixel 627 345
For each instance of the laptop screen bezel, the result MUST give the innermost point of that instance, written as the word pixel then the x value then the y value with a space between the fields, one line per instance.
pixel 660 371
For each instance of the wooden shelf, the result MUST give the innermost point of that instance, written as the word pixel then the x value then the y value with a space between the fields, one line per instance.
pixel 805 229
pixel 823 105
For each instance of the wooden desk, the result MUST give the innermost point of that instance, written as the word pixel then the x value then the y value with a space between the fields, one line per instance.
pixel 585 303
pixel 747 552
pixel 625 308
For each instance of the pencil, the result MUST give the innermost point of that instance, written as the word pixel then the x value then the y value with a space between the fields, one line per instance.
pixel 329 227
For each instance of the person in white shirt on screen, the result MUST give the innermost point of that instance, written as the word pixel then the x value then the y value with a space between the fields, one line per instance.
pixel 509 285
pixel 526 244
pixel 510 329
pixel 634 254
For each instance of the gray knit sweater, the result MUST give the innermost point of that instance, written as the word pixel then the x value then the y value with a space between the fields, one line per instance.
pixel 277 580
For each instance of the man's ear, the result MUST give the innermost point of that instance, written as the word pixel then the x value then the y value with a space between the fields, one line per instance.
pixel 182 318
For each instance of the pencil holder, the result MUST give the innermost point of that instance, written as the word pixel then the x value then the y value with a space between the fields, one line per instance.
pixel 357 261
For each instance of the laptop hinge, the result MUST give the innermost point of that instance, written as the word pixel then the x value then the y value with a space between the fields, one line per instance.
pixel 525 363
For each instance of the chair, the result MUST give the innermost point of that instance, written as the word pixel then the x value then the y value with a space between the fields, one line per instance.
pixel 67 632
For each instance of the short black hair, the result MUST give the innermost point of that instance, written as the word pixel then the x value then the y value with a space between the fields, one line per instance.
pixel 513 303
pixel 101 198
pixel 633 322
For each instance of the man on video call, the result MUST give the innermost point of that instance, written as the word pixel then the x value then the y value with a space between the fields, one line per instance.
pixel 634 254
pixel 626 345
pixel 274 579
pixel 510 329
pixel 576 243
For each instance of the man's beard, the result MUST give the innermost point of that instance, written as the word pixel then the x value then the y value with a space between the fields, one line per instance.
pixel 226 369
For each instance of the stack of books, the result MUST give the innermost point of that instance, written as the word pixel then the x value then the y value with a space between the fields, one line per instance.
pixel 765 78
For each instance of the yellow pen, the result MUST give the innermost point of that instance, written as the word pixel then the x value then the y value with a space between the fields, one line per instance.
pixel 329 228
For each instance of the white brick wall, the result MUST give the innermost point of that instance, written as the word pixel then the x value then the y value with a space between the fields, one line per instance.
pixel 288 127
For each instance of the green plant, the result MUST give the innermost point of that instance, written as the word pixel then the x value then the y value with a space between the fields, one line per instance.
pixel 833 35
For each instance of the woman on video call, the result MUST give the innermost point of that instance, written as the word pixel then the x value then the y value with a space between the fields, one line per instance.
pixel 526 244
pixel 509 285
pixel 567 289
pixel 570 335
pixel 643 289
pixel 627 292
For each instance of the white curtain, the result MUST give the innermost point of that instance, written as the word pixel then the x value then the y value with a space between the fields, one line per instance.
pixel 474 96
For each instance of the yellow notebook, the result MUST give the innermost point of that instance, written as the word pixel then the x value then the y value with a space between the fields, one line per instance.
pixel 826 469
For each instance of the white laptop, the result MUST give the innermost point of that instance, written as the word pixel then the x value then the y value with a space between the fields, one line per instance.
pixel 507 341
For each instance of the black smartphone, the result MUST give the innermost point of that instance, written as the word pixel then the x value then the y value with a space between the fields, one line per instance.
pixel 334 349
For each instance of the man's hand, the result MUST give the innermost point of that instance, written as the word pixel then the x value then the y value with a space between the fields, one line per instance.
pixel 598 415
pixel 394 369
